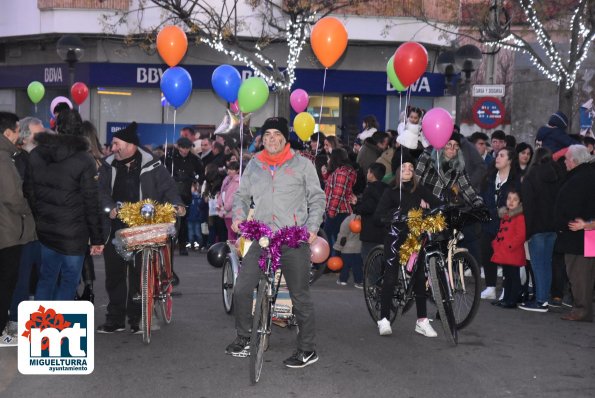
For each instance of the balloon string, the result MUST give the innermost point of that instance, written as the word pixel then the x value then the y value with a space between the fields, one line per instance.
pixel 241 143
pixel 400 181
pixel 165 129
pixel 172 140
pixel 321 101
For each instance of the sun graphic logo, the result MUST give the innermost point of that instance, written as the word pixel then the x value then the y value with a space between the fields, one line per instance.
pixel 56 337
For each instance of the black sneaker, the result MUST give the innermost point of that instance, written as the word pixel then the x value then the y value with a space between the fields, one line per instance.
pixel 239 348
pixel 136 329
pixel 301 359
pixel 109 327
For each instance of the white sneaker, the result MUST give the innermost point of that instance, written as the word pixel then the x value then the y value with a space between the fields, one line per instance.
pixel 384 327
pixel 341 283
pixel 422 326
pixel 489 293
pixel 8 340
pixel 12 327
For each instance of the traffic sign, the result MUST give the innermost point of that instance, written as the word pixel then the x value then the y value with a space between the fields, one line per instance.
pixel 488 112
pixel 488 90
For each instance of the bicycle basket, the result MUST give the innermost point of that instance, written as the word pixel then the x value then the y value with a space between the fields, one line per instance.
pixel 128 240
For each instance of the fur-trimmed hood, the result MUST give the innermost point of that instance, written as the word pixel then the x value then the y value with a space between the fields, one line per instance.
pixel 54 148
pixel 503 211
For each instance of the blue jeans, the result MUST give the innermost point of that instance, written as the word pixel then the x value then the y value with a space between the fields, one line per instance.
pixel 194 232
pixel 332 226
pixel 30 257
pixel 353 262
pixel 54 264
pixel 541 249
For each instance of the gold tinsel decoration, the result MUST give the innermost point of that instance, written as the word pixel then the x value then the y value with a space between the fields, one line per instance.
pixel 130 213
pixel 418 224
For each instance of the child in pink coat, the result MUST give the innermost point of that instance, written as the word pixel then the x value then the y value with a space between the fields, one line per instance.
pixel 230 185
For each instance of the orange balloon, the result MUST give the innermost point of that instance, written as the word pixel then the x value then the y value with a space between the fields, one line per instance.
pixel 328 40
pixel 334 263
pixel 172 44
pixel 355 226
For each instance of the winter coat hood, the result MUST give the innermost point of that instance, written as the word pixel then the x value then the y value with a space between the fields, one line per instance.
pixel 54 148
pixel 503 211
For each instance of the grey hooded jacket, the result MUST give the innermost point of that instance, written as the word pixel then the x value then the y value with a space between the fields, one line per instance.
pixel 290 196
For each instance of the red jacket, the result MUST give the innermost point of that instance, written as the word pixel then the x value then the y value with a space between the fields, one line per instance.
pixel 509 244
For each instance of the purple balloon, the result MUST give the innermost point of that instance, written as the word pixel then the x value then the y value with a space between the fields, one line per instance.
pixel 437 126
pixel 299 100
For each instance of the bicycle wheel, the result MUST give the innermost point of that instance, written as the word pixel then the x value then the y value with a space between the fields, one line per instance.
pixel 147 291
pixel 466 287
pixel 165 285
pixel 260 330
pixel 227 284
pixel 373 279
pixel 439 283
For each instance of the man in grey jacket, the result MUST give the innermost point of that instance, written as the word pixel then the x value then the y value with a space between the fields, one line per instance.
pixel 286 192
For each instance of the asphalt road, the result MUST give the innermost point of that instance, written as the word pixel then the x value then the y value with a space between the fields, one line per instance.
pixel 503 353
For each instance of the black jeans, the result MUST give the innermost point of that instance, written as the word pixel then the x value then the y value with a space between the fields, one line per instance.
pixel 490 269
pixel 122 282
pixel 183 233
pixel 511 284
pixel 10 258
pixel 391 272
pixel 559 276
pixel 295 264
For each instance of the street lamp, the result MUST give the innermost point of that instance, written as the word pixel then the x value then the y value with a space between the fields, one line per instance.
pixel 70 49
pixel 451 63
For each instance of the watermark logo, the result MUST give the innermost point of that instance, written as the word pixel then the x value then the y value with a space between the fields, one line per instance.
pixel 56 337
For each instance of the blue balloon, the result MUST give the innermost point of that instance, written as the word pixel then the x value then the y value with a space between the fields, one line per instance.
pixel 176 85
pixel 226 81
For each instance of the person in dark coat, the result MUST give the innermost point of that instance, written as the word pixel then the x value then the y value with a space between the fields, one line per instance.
pixel 187 168
pixel 539 190
pixel 372 149
pixel 553 135
pixel 61 186
pixel 129 174
pixel 405 194
pixel 16 222
pixel 574 212
pixel 372 233
pixel 494 192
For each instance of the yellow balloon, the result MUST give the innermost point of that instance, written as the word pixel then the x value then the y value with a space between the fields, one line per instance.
pixel 303 124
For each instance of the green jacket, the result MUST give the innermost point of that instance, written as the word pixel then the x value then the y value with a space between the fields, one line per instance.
pixel 290 196
pixel 16 220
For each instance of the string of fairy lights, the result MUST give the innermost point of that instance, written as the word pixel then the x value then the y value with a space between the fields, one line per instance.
pixel 296 36
pixel 553 68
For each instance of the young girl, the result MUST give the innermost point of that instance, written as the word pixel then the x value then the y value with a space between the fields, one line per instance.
pixel 509 248
pixel 350 246
pixel 196 216
pixel 411 195
pixel 410 130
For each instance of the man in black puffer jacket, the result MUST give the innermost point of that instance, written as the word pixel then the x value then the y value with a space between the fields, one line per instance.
pixel 130 174
pixel 61 185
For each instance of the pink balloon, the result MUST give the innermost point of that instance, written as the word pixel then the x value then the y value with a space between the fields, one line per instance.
pixel 234 106
pixel 299 100
pixel 57 100
pixel 319 250
pixel 437 126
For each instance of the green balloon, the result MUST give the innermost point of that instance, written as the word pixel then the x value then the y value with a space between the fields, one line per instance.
pixel 253 94
pixel 35 91
pixel 392 75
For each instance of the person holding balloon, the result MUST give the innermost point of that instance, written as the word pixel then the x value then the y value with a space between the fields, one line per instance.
pixel 349 246
pixel 405 194
pixel 285 191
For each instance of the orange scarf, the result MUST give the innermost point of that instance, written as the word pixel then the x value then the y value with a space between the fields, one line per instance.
pixel 277 159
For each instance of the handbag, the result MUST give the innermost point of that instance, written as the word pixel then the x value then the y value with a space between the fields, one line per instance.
pixel 590 243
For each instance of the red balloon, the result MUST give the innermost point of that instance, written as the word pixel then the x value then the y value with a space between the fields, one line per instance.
pixel 79 92
pixel 411 60
pixel 319 250
pixel 334 263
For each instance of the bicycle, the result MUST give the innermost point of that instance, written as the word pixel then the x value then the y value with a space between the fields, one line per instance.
pixel 451 268
pixel 152 244
pixel 233 262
